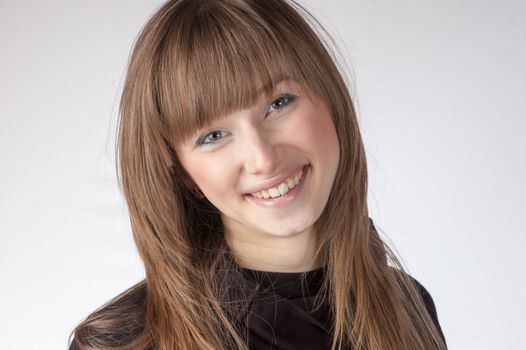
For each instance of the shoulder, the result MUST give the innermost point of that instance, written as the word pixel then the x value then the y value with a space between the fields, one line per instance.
pixel 420 289
pixel 402 276
pixel 426 297
pixel 429 304
pixel 118 322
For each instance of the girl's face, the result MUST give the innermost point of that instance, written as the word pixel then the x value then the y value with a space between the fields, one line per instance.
pixel 269 168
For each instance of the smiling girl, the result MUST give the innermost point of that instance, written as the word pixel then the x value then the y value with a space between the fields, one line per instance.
pixel 245 177
pixel 268 169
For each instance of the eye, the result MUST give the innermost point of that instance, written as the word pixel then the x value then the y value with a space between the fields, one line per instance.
pixel 211 137
pixel 281 102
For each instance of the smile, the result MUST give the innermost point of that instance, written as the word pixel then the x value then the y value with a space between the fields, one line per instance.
pixel 280 196
pixel 280 189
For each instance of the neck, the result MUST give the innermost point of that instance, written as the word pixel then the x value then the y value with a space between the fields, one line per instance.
pixel 274 254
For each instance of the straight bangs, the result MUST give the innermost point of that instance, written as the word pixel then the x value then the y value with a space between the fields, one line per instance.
pixel 217 60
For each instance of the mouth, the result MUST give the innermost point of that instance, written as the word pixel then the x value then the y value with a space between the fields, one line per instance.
pixel 282 193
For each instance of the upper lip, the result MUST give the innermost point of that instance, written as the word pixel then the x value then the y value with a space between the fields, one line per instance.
pixel 275 182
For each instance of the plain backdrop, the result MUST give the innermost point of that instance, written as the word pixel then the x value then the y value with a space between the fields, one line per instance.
pixel 440 88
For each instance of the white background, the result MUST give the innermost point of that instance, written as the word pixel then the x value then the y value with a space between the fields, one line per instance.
pixel 441 93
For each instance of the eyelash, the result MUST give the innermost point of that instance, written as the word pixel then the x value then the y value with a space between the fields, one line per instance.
pixel 288 97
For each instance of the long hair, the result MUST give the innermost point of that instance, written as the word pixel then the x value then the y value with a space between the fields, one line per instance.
pixel 198 60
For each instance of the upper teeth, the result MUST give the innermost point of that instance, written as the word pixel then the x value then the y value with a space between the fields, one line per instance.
pixel 281 189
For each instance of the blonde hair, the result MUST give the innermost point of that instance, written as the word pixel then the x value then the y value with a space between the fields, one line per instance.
pixel 197 60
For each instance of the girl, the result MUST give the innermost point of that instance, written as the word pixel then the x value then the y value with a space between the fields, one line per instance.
pixel 245 177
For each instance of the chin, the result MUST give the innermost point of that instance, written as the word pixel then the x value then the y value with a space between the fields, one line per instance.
pixel 287 231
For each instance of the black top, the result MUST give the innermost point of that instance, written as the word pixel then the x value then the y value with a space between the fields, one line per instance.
pixel 272 311
pixel 284 314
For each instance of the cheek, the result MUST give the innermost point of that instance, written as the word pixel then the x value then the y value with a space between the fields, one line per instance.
pixel 215 181
pixel 317 132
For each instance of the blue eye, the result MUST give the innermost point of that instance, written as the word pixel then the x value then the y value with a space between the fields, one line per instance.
pixel 211 137
pixel 280 102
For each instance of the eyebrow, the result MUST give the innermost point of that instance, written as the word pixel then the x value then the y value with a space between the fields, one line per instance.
pixel 283 78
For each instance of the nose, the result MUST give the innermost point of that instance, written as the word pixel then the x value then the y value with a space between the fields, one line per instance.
pixel 260 156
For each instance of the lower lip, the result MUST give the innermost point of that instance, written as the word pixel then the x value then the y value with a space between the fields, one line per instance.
pixel 286 198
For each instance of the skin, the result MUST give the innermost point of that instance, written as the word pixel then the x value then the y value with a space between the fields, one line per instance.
pixel 252 147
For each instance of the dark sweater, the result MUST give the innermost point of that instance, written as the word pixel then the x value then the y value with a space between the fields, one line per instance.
pixel 283 313
pixel 272 310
